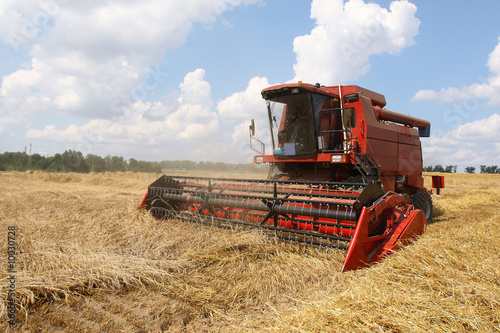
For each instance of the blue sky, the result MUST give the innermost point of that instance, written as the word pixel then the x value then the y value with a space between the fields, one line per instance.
pixel 166 80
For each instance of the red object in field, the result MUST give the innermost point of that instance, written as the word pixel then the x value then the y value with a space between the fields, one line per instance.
pixel 405 225
pixel 144 201
pixel 437 183
pixel 346 166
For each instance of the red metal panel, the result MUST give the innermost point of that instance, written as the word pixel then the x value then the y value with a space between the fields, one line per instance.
pixel 409 151
pixel 404 224
pixel 437 181
pixel 385 153
pixel 409 160
pixel 408 135
pixel 389 183
pixel 416 181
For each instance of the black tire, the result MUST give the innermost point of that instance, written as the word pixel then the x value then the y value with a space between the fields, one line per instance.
pixel 423 201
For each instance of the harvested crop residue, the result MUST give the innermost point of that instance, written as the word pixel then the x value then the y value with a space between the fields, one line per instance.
pixel 90 260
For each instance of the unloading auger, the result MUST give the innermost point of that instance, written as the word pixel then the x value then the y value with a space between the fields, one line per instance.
pixel 346 167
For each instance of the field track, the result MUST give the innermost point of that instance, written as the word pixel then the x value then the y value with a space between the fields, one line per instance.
pixel 89 260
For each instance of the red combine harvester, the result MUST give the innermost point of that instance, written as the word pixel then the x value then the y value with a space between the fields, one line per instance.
pixel 346 171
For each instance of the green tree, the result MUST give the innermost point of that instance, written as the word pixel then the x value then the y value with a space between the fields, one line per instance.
pixel 73 161
pixel 37 162
pixel 115 163
pixel 492 169
pixel 54 163
pixel 15 161
pixel 143 166
pixel 95 163
pixel 470 169
pixel 133 165
pixel 438 168
pixel 451 168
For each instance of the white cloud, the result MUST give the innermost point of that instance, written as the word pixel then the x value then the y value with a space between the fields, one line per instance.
pixel 7 122
pixel 195 99
pixel 19 82
pixel 87 55
pixel 489 90
pixel 95 60
pixel 193 126
pixel 448 95
pixel 339 48
pixel 245 104
pixel 193 120
pixel 472 144
pixel 481 131
pixel 240 108
pixel 105 29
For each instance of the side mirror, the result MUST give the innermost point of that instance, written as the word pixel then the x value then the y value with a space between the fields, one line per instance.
pixel 351 98
pixel 252 128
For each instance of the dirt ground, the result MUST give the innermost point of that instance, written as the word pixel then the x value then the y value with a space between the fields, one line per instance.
pixel 88 259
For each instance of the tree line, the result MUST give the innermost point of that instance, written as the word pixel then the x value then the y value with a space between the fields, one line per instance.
pixel 74 161
pixel 440 168
pixel 489 169
pixel 469 169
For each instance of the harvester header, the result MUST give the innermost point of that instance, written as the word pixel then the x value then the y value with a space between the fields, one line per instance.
pixel 345 173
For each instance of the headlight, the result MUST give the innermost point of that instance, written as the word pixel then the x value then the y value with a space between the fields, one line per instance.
pixel 259 159
pixel 337 158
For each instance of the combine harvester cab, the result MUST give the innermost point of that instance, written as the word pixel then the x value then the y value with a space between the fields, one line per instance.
pixel 345 168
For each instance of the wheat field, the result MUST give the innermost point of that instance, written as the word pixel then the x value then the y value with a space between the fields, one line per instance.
pixel 90 260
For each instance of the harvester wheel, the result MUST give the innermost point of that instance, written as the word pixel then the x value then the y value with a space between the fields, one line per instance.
pixel 423 201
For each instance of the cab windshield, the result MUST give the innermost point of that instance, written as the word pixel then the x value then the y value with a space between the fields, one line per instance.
pixel 293 125
pixel 305 124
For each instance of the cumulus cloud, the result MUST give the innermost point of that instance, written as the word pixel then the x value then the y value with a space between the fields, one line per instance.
pixel 489 90
pixel 194 126
pixel 239 109
pixel 474 143
pixel 339 48
pixel 95 61
pixel 87 55
pixel 192 121
pixel 244 104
